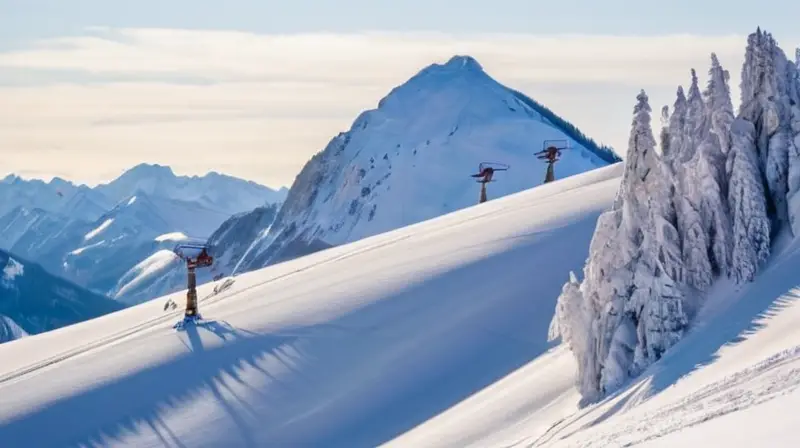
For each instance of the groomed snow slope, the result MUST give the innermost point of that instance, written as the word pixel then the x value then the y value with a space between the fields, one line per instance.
pixel 428 336
pixel 351 346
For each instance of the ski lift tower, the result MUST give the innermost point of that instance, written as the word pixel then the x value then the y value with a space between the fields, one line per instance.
pixel 550 153
pixel 196 256
pixel 486 173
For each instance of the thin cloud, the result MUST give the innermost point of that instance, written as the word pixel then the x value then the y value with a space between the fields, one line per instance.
pixel 269 102
pixel 371 57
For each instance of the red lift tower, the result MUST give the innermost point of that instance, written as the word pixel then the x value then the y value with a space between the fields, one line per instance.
pixel 550 153
pixel 196 256
pixel 486 173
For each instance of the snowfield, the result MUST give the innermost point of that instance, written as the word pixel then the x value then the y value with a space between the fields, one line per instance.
pixel 351 346
pixel 431 335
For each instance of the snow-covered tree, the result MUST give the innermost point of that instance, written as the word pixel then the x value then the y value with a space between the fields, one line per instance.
pixel 664 135
pixel 702 218
pixel 718 98
pixel 570 315
pixel 676 130
pixel 706 206
pixel 747 199
pixel 695 129
pixel 629 275
pixel 764 102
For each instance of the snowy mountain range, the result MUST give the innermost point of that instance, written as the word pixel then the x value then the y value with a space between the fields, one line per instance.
pixel 411 159
pixel 406 161
pixel 94 236
pixel 33 301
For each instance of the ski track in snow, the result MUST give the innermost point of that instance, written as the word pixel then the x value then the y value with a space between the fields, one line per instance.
pixel 776 376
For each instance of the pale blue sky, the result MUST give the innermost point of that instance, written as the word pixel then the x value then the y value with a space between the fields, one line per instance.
pixel 26 18
pixel 254 88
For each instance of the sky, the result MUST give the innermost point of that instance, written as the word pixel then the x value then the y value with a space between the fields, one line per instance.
pixel 253 88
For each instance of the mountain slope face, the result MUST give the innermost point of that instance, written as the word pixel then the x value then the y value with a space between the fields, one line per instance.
pixel 35 301
pixel 353 346
pixel 102 253
pixel 411 159
pixel 21 223
pixel 9 330
pixel 93 237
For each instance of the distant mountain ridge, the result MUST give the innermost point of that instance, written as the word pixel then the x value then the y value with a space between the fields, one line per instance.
pixel 221 192
pixel 94 236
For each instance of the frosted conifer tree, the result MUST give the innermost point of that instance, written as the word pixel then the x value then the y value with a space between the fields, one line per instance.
pixel 694 126
pixel 630 283
pixel 664 136
pixel 747 199
pixel 677 128
pixel 689 195
pixel 718 94
pixel 569 315
pixel 763 104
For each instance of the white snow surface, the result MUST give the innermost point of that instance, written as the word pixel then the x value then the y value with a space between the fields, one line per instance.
pixel 83 249
pixel 173 236
pixel 432 335
pixel 99 229
pixel 157 263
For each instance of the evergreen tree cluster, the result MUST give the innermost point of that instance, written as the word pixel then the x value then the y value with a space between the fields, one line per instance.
pixel 605 153
pixel 708 206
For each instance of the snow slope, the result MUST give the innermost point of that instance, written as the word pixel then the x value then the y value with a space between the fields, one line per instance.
pixel 411 158
pixel 351 346
pixel 432 335
pixel 21 222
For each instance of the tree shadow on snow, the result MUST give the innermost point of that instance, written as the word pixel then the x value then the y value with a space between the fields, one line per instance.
pixel 149 392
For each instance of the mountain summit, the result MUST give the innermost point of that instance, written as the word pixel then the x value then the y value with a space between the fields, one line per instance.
pixel 411 158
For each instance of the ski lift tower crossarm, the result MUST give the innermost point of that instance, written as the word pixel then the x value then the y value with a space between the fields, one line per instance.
pixel 485 175
pixel 551 153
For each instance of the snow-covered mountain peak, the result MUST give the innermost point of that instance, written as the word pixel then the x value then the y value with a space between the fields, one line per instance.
pixel 464 62
pixel 10 179
pixel 144 170
pixel 411 158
